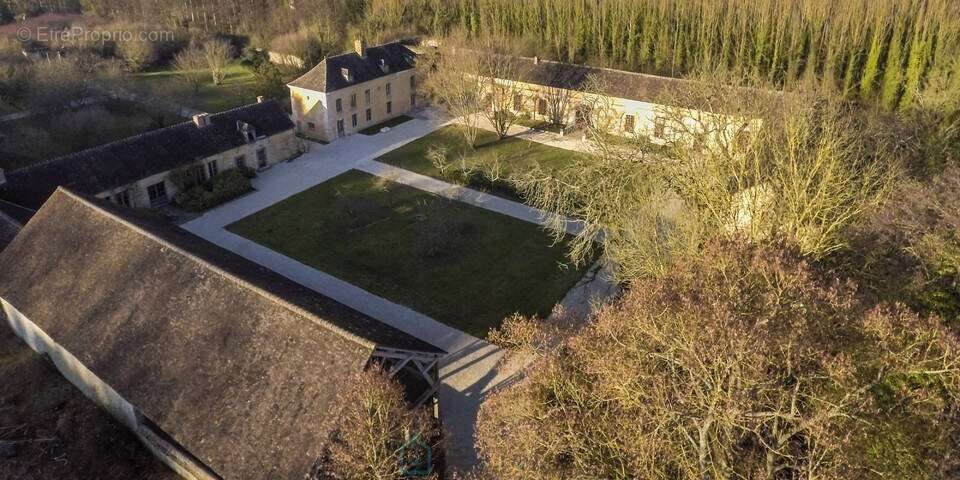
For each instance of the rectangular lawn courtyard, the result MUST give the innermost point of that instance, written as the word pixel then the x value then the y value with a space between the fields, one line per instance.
pixel 461 265
pixel 511 155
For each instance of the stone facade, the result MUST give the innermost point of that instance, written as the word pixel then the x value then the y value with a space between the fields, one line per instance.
pixel 361 106
pixel 619 116
pixel 103 395
pixel 347 93
pixel 276 148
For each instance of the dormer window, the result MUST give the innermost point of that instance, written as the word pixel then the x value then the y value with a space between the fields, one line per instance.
pixel 383 65
pixel 347 74
pixel 247 131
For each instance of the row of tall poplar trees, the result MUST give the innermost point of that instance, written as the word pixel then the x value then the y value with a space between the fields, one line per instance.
pixel 890 51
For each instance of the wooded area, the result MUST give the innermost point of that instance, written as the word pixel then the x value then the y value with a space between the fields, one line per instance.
pixel 885 51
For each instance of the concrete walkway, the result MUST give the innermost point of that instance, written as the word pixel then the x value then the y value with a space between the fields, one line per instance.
pixel 466 195
pixel 570 141
pixel 470 368
pixel 473 367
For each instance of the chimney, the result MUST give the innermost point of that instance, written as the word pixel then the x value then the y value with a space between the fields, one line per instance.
pixel 361 47
pixel 201 120
pixel 260 98
pixel 347 75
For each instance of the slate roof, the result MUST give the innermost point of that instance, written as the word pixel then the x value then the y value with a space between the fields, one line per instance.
pixel 125 161
pixel 236 363
pixel 640 87
pixel 17 212
pixel 621 84
pixel 327 76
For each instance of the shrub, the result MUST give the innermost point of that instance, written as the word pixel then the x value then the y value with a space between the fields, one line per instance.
pixel 910 249
pixel 743 363
pixel 221 188
pixel 378 434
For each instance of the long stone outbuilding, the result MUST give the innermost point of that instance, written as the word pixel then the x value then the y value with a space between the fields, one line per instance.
pixel 223 368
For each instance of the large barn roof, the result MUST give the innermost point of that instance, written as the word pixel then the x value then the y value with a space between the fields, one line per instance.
pixel 236 363
pixel 124 161
pixel 327 76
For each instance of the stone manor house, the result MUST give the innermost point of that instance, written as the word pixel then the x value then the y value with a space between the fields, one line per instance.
pixel 347 93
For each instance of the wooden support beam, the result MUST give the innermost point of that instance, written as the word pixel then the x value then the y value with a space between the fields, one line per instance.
pixel 399 366
pixel 426 395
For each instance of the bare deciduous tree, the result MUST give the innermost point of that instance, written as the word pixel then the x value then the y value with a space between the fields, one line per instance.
pixel 743 363
pixel 217 54
pixel 137 54
pixel 451 85
pixel 505 97
pixel 476 82
pixel 799 169
pixel 70 82
pixel 191 66
pixel 558 104
pixel 378 434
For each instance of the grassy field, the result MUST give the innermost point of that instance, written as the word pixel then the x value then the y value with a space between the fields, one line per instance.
pixel 34 139
pixel 50 430
pixel 511 155
pixel 464 266
pixel 237 89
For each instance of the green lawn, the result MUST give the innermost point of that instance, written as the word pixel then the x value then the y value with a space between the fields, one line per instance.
pixel 237 89
pixel 33 139
pixel 512 155
pixel 462 265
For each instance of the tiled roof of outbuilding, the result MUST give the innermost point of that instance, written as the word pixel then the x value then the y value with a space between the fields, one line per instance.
pixel 327 76
pixel 125 161
pixel 635 86
pixel 238 364
pixel 617 83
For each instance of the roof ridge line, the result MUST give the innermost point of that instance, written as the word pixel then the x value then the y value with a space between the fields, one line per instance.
pixel 234 278
pixel 354 52
pixel 608 69
pixel 119 141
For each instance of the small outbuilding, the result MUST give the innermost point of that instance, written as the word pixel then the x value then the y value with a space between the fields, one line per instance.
pixel 225 369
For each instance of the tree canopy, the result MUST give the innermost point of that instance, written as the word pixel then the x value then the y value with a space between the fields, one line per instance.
pixel 745 363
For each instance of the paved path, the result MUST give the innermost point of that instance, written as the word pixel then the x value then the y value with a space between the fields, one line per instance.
pixel 571 141
pixel 473 366
pixel 466 195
